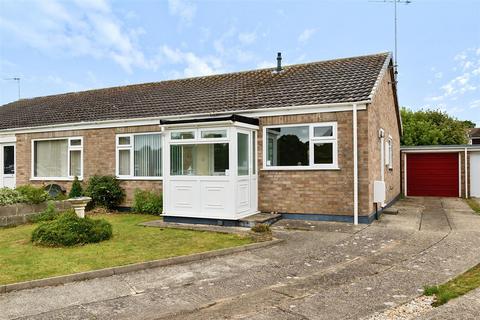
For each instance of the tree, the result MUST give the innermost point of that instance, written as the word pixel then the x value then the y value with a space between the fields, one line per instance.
pixel 432 127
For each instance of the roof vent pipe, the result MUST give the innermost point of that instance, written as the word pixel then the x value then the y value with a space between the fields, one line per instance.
pixel 279 62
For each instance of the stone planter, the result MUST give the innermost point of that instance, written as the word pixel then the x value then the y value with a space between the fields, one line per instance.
pixel 79 205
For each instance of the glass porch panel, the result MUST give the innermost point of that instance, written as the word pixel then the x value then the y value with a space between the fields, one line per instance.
pixel 9 160
pixel 199 159
pixel 242 154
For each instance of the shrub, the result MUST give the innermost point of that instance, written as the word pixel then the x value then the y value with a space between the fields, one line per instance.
pixel 69 230
pixel 105 191
pixel 261 228
pixel 77 190
pixel 49 214
pixel 149 202
pixel 9 196
pixel 32 194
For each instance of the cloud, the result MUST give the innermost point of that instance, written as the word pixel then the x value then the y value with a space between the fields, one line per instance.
pixel 183 9
pixel 475 104
pixel 306 35
pixel 247 38
pixel 193 65
pixel 85 28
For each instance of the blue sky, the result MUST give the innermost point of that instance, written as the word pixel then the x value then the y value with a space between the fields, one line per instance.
pixel 63 46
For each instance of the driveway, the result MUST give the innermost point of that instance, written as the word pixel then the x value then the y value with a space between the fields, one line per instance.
pixel 322 271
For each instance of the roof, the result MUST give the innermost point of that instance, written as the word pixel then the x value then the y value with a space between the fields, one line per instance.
pixel 475 133
pixel 324 82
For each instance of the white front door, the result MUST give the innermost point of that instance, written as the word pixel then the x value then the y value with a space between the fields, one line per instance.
pixel 475 174
pixel 7 162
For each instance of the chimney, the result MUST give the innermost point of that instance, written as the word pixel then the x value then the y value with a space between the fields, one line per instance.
pixel 279 62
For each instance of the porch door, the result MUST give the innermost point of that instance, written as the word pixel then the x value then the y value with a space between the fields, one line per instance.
pixel 7 161
pixel 246 187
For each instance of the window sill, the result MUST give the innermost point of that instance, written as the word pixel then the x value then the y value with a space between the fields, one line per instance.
pixel 55 179
pixel 139 178
pixel 301 169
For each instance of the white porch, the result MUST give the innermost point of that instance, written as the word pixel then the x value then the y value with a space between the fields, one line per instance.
pixel 210 168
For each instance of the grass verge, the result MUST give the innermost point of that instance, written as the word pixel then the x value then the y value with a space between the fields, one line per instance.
pixel 456 287
pixel 20 260
pixel 474 204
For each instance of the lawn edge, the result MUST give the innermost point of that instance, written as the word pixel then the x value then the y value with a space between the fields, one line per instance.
pixel 107 272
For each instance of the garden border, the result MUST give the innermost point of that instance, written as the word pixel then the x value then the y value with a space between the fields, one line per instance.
pixel 107 272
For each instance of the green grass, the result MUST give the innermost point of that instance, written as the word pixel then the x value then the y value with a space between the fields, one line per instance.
pixel 20 260
pixel 456 287
pixel 474 204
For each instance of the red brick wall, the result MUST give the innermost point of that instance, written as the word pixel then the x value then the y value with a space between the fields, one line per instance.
pixel 382 114
pixel 317 191
pixel 98 156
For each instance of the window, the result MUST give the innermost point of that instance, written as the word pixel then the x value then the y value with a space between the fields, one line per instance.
pixel 139 156
pixel 242 154
pixel 182 135
pixel 301 146
pixel 199 159
pixel 214 134
pixel 58 158
pixel 389 153
pixel 254 152
pixel 8 160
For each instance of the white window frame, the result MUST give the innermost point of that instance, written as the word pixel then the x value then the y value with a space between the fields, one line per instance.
pixel 69 148
pixel 389 155
pixel 131 147
pixel 312 140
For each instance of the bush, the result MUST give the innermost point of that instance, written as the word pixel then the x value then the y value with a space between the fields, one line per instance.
pixel 105 191
pixel 261 228
pixel 77 190
pixel 9 196
pixel 49 214
pixel 69 230
pixel 32 194
pixel 149 202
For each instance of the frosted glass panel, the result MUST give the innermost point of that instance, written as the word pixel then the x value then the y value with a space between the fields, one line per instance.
pixel 199 160
pixel 51 158
pixel 242 154
pixel 124 162
pixel 148 155
pixel 75 163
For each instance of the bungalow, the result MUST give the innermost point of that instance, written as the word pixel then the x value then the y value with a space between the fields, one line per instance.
pixel 313 141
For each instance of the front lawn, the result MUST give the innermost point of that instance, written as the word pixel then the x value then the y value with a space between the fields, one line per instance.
pixel 474 204
pixel 20 260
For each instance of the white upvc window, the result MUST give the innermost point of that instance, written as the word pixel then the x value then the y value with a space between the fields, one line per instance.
pixel 389 153
pixel 139 156
pixel 57 158
pixel 300 146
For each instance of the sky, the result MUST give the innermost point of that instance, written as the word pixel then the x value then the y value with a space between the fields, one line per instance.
pixel 65 46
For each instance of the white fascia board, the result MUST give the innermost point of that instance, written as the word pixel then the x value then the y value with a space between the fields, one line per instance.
pixel 264 112
pixel 8 138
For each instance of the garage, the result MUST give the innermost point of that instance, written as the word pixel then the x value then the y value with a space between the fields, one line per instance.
pixel 432 174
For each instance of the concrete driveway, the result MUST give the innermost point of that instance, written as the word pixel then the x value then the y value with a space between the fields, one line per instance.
pixel 321 271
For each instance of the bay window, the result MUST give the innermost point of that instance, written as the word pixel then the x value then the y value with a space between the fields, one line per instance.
pixel 57 158
pixel 139 156
pixel 302 146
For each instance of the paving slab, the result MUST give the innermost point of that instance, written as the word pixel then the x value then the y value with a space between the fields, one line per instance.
pixel 322 270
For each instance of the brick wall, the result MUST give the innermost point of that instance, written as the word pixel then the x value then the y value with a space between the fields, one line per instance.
pixel 98 156
pixel 317 191
pixel 382 115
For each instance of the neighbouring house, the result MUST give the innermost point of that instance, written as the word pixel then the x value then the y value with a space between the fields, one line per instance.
pixel 474 136
pixel 316 141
